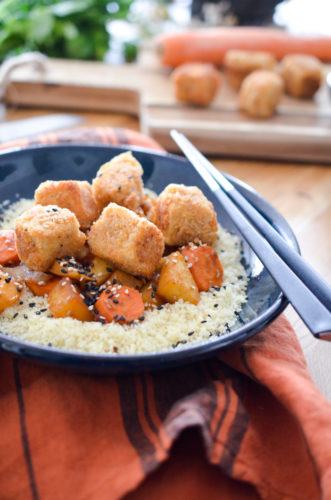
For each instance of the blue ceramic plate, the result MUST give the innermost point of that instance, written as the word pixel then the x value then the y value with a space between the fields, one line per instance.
pixel 21 171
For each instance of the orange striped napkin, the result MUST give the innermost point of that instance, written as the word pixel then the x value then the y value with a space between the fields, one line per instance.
pixel 247 424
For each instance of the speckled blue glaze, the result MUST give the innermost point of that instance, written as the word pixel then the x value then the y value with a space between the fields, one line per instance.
pixel 22 170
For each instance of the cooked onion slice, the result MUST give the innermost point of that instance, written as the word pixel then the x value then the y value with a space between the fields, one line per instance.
pixel 23 273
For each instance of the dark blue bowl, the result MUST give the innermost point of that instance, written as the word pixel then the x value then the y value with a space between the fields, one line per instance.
pixel 22 170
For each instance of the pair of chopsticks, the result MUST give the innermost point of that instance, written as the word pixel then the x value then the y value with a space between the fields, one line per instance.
pixel 309 294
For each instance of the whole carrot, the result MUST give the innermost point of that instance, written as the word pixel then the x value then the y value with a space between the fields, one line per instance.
pixel 211 44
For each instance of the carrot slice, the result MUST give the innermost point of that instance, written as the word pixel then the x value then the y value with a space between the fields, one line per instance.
pixel 42 288
pixel 205 266
pixel 121 304
pixel 8 251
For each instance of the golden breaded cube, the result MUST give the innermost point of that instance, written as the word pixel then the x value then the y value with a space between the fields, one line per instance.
pixel 131 243
pixel 260 93
pixel 44 233
pixel 184 214
pixel 77 196
pixel 119 181
pixel 196 83
pixel 302 74
pixel 240 63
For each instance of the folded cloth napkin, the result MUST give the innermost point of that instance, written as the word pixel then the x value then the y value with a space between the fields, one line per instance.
pixel 247 424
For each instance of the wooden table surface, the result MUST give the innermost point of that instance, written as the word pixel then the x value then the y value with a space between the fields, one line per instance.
pixel 300 192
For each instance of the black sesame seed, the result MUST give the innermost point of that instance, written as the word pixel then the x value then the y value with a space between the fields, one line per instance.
pixel 204 321
pixel 15 315
pixel 19 289
pixel 64 271
pixel 43 310
pixel 159 308
pixel 115 301
pixel 119 188
pixel 142 318
pixel 32 304
pixel 137 287
pixel 154 288
pixel 109 270
pixel 216 305
pixel 54 209
pixel 116 316
pixel 49 344
pixel 190 333
pixel 37 312
pixel 122 318
pixel 8 280
pixel 153 295
pixel 21 302
pixel 25 316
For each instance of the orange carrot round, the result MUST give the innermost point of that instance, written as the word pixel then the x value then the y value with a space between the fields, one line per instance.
pixel 205 266
pixel 120 304
pixel 211 44
pixel 8 251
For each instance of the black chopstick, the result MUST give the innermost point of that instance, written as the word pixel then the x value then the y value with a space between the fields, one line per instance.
pixel 308 293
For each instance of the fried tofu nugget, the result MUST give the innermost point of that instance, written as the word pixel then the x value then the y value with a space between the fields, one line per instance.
pixel 260 93
pixel 119 181
pixel 131 243
pixel 77 196
pixel 240 63
pixel 302 74
pixel 184 214
pixel 196 83
pixel 44 233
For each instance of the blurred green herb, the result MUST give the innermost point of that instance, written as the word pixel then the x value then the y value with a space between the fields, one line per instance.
pixel 59 28
pixel 130 50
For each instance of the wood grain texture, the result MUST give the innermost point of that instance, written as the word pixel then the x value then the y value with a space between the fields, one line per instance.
pixel 301 193
pixel 301 129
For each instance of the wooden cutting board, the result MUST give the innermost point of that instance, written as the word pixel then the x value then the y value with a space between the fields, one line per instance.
pixel 301 129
